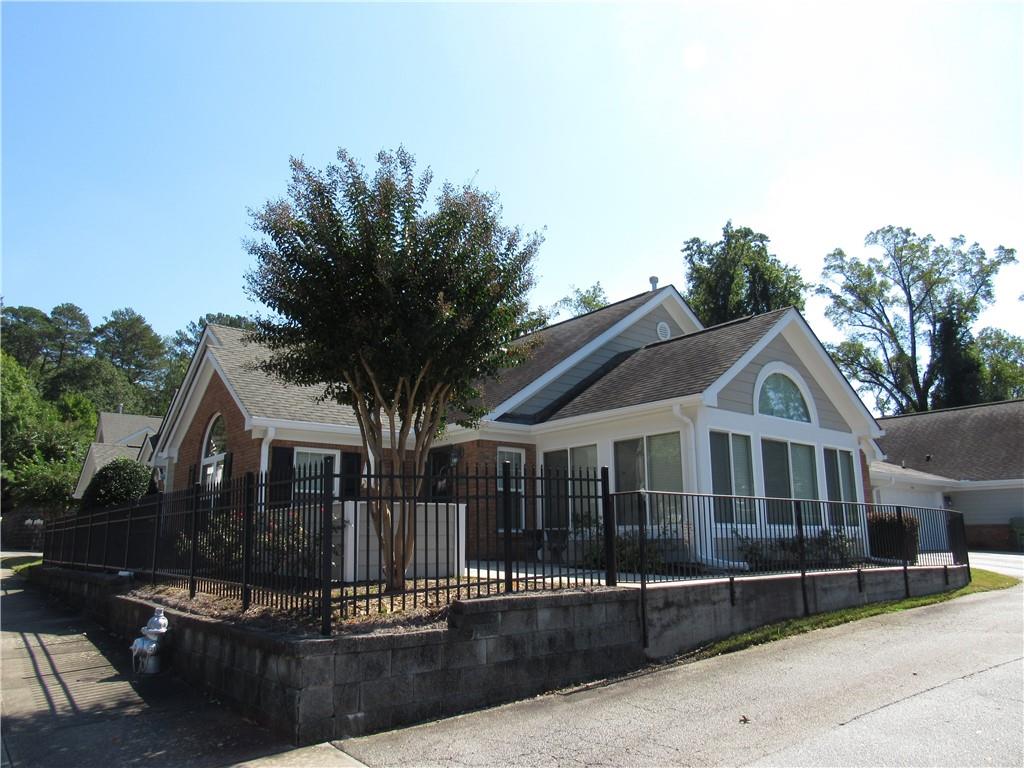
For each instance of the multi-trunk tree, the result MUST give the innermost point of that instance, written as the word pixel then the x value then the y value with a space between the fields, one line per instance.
pixel 395 307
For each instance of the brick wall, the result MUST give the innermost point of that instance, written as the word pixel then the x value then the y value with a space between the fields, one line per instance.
pixel 990 537
pixel 865 473
pixel 245 452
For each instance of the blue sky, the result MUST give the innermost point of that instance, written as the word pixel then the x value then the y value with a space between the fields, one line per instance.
pixel 136 136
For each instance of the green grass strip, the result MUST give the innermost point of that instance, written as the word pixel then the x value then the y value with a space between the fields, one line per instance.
pixel 981 581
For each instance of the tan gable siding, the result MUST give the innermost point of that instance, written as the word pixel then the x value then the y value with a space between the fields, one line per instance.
pixel 738 394
pixel 644 331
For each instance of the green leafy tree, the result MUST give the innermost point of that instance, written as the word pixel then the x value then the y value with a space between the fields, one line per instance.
pixel 131 344
pixel 122 481
pixel 737 276
pixel 958 375
pixel 579 301
pixel 1002 364
pixel 100 381
pixel 26 331
pixel 395 307
pixel 70 335
pixel 891 306
pixel 21 411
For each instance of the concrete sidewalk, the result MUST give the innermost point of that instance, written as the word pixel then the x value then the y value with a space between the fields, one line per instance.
pixel 69 698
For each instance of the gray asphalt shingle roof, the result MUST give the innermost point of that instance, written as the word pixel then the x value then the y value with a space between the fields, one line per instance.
pixel 266 396
pixel 557 342
pixel 977 442
pixel 685 365
pixel 116 426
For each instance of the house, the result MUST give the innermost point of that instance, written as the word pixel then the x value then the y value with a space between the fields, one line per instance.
pixel 970 459
pixel 753 407
pixel 117 435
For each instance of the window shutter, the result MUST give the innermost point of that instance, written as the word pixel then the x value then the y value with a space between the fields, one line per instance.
pixel 351 468
pixel 226 474
pixel 282 459
pixel 191 475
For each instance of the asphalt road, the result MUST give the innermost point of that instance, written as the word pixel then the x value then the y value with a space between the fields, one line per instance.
pixel 940 685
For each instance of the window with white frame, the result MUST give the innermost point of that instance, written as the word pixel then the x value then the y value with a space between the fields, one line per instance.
pixel 309 466
pixel 732 474
pixel 516 457
pixel 781 397
pixel 840 486
pixel 790 472
pixel 654 463
pixel 570 487
pixel 215 451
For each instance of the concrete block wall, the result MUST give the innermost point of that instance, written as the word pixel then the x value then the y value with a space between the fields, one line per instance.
pixel 493 650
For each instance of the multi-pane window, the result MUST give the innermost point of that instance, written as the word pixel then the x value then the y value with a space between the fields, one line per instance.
pixel 570 487
pixel 732 474
pixel 781 397
pixel 654 463
pixel 789 473
pixel 309 468
pixel 215 451
pixel 841 486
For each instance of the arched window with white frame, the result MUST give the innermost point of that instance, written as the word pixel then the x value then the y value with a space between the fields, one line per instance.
pixel 215 452
pixel 782 393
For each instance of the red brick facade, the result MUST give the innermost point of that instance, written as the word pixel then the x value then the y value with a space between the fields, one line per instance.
pixel 245 452
pixel 865 473
pixel 990 537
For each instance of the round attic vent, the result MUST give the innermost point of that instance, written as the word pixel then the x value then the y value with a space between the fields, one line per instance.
pixel 664 331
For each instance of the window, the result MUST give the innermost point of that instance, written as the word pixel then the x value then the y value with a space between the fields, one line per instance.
pixel 517 458
pixel 215 453
pixel 840 486
pixel 781 397
pixel 570 487
pixel 654 463
pixel 732 474
pixel 441 463
pixel 789 473
pixel 309 464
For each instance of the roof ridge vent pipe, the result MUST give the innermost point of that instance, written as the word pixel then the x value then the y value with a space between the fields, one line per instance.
pixel 654 282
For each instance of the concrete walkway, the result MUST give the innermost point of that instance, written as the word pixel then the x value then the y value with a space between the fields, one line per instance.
pixel 69 698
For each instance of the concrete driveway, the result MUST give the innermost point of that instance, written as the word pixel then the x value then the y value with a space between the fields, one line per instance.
pixel 1010 563
pixel 940 685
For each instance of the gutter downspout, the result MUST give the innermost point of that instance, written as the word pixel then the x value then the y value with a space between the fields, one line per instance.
pixel 704 541
pixel 268 438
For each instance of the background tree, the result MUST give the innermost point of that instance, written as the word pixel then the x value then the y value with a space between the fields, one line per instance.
pixel 1002 364
pixel 892 306
pixel 131 344
pixel 26 331
pixel 70 335
pixel 579 301
pixel 958 376
pixel 737 276
pixel 395 308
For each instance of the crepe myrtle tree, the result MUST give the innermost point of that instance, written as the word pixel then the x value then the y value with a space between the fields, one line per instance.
pixel 396 307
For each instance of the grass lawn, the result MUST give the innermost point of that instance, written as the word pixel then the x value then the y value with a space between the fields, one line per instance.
pixel 20 562
pixel 981 581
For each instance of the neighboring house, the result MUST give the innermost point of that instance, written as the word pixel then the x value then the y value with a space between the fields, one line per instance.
pixel 751 407
pixel 117 435
pixel 970 459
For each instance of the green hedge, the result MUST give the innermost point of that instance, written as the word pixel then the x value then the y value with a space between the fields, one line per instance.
pixel 122 481
pixel 884 536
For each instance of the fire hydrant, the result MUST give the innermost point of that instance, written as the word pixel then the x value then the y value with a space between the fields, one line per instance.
pixel 146 649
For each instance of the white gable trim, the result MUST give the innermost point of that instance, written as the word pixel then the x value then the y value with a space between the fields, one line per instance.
pixel 127 438
pixel 823 362
pixel 182 394
pixel 583 352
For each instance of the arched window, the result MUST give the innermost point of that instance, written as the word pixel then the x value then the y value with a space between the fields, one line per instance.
pixel 215 450
pixel 781 397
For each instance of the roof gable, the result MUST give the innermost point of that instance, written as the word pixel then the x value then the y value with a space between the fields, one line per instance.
pixel 123 427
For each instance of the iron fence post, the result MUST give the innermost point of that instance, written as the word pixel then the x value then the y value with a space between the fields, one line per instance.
pixel 156 534
pixel 248 512
pixel 128 537
pixel 611 570
pixel 506 503
pixel 801 554
pixel 642 506
pixel 106 538
pixel 901 536
pixel 88 540
pixel 326 534
pixel 196 492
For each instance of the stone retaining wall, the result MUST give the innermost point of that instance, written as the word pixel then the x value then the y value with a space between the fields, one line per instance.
pixel 494 650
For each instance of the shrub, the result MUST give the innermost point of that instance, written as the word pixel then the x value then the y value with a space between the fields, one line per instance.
pixel 825 550
pixel 122 481
pixel 627 554
pixel 884 536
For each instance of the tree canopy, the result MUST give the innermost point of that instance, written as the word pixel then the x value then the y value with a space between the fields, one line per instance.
pixel 579 301
pixel 131 344
pixel 737 276
pixel 907 312
pixel 396 307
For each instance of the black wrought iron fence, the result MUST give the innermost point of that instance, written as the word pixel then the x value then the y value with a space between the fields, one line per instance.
pixel 328 545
